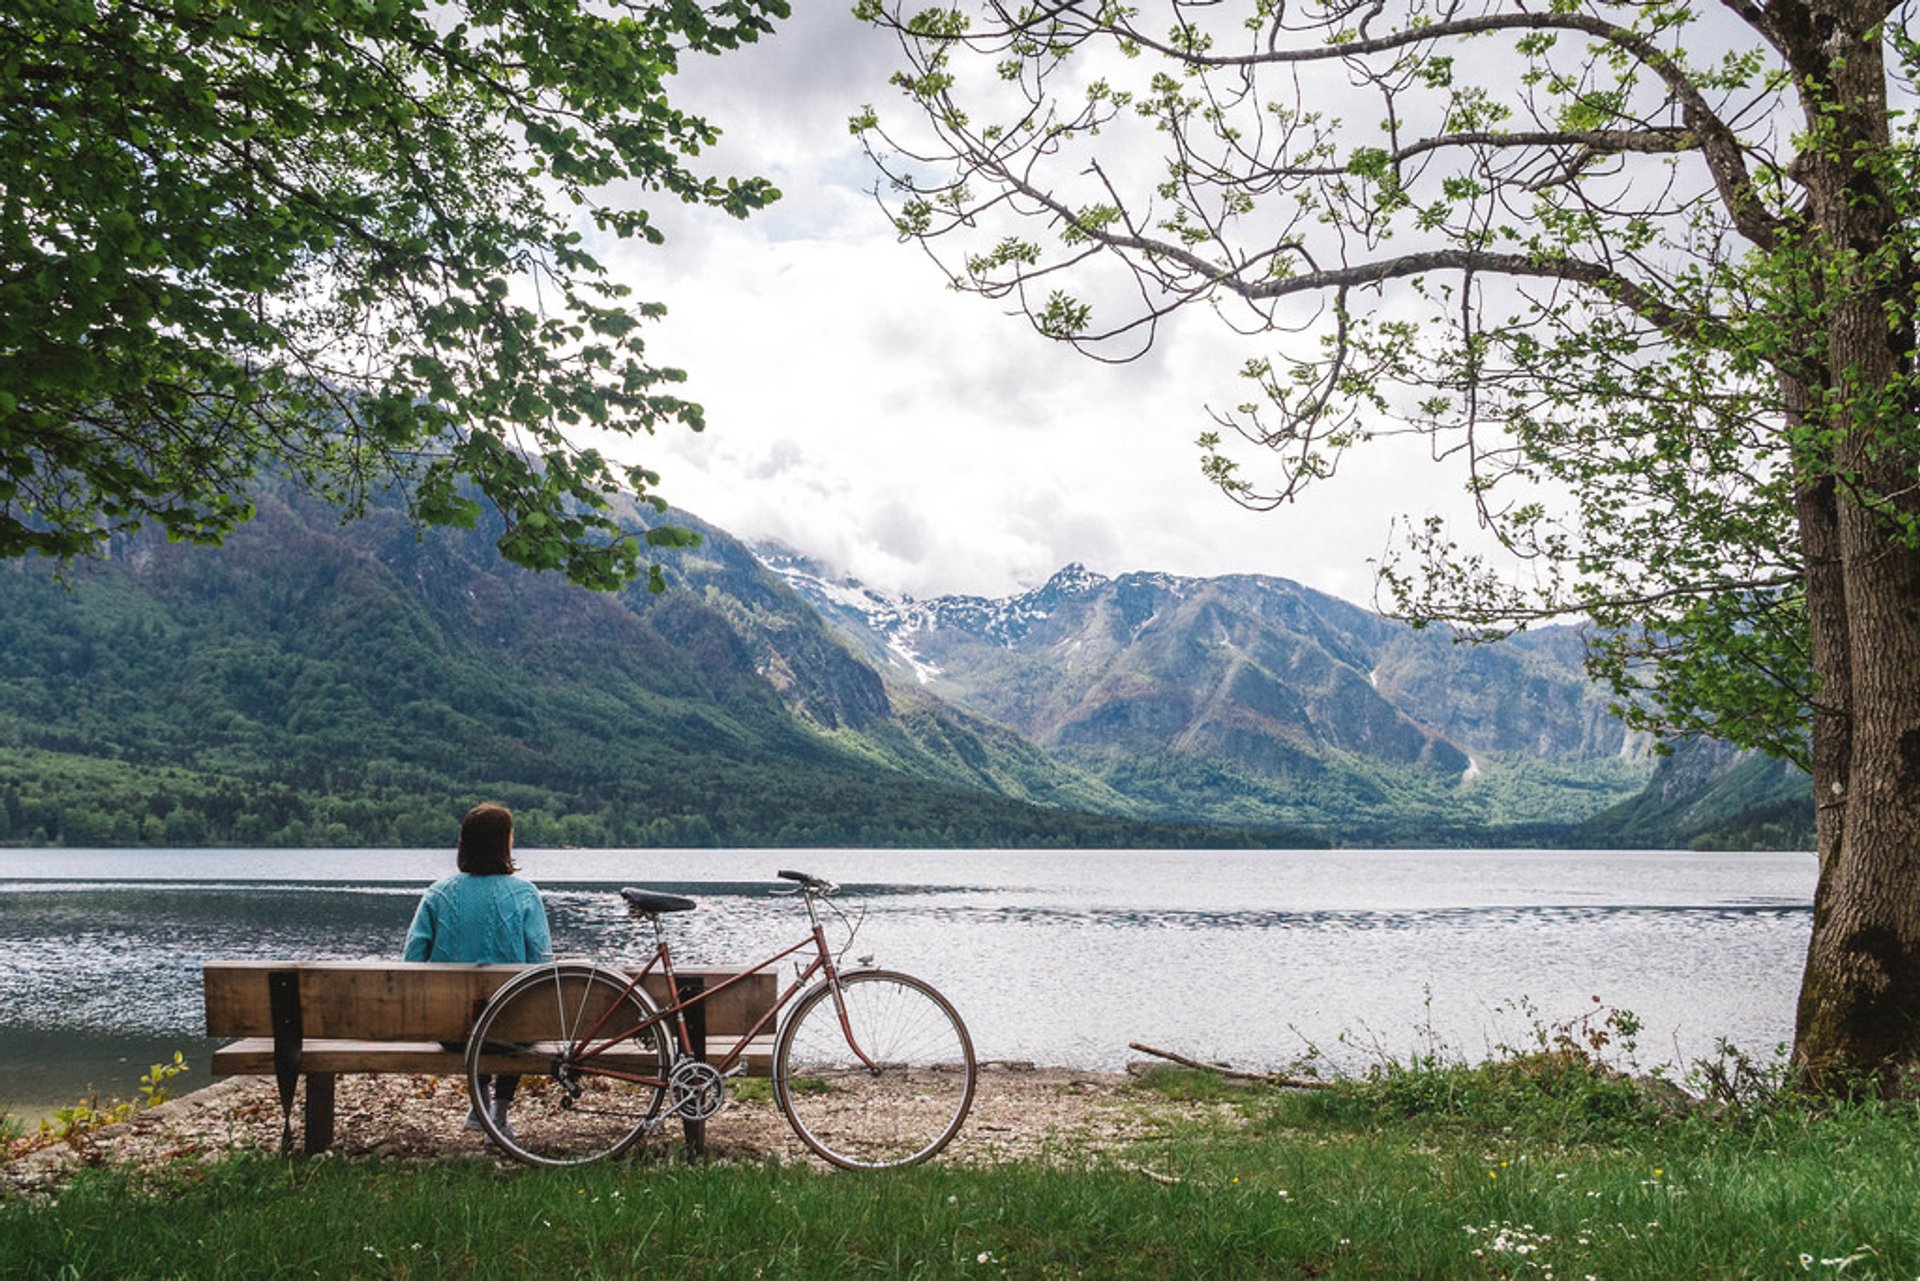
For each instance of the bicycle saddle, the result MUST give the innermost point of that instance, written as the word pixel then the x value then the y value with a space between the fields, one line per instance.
pixel 649 902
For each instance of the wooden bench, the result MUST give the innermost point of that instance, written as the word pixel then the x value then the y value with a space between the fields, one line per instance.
pixel 319 1019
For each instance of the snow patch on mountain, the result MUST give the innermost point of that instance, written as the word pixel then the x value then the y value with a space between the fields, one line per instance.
pixel 897 620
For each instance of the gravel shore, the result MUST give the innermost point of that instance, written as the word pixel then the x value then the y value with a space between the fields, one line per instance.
pixel 1020 1111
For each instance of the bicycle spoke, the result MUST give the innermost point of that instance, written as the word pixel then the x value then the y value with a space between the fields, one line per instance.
pixel 577 1100
pixel 873 1069
pixel 896 1099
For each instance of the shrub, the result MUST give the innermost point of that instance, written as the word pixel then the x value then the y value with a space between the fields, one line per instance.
pixel 70 1125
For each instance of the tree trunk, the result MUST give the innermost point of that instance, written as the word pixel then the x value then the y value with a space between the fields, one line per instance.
pixel 1859 1013
pixel 1830 754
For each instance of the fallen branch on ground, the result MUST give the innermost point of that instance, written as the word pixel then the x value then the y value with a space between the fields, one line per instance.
pixel 1231 1073
pixel 1169 1179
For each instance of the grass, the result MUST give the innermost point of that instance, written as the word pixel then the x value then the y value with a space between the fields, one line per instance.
pixel 759 1089
pixel 1542 1164
pixel 88 1114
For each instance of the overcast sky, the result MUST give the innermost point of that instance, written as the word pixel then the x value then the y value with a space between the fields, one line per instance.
pixel 921 439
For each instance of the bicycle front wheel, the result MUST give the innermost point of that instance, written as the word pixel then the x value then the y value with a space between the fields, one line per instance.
pixel 889 1085
pixel 592 1058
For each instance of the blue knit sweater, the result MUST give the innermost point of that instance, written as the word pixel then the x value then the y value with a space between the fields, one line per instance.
pixel 480 918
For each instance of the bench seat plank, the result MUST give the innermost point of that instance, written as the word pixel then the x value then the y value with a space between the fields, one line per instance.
pixel 320 1019
pixel 253 1056
pixel 421 1000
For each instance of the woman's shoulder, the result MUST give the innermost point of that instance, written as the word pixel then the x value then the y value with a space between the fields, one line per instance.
pixel 507 885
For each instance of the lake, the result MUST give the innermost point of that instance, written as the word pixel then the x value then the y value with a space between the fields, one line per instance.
pixel 1054 957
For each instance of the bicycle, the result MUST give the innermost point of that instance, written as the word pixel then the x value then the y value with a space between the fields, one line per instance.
pixel 873 1069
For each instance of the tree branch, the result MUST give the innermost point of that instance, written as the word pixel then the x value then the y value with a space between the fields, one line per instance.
pixel 1719 146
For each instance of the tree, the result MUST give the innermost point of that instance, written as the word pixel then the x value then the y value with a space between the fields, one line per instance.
pixel 338 238
pixel 1648 270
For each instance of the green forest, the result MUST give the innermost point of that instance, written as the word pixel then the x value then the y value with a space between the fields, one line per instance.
pixel 313 685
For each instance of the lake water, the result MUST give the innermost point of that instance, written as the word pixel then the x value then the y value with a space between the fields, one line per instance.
pixel 1058 958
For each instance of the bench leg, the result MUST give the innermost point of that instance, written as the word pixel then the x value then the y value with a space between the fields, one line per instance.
pixel 319 1112
pixel 283 1003
pixel 696 1024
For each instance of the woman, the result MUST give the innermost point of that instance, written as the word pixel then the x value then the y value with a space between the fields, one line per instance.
pixel 483 912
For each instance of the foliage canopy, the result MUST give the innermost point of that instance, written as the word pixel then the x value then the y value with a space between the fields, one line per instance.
pixel 342 238
pixel 1650 271
pixel 1569 243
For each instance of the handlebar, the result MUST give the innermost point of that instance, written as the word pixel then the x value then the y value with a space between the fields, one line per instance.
pixel 811 884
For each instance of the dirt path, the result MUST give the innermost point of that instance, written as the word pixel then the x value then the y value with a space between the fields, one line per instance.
pixel 1019 1111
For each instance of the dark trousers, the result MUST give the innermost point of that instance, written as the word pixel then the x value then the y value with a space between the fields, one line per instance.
pixel 500 1089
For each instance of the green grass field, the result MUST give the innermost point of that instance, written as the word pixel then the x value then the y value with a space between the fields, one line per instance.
pixel 1539 1165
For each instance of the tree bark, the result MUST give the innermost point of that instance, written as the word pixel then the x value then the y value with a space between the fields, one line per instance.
pixel 1829 758
pixel 1858 1021
pixel 1859 1010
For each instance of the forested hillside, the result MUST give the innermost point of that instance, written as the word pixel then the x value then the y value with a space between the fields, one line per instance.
pixel 314 684
pixel 1247 699
pixel 1709 795
pixel 308 684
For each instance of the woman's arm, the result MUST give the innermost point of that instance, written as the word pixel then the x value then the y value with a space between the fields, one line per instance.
pixel 537 936
pixel 420 933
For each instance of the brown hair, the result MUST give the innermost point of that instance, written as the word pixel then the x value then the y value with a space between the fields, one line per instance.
pixel 486 840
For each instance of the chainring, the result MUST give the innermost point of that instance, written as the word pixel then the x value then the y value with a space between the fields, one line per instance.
pixel 697 1090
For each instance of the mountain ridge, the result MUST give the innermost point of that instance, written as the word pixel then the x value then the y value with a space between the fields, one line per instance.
pixel 314 683
pixel 1246 697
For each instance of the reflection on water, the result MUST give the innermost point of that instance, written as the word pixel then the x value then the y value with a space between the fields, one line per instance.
pixel 1060 958
pixel 1341 921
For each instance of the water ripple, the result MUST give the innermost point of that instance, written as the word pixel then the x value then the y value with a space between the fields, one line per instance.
pixel 1060 959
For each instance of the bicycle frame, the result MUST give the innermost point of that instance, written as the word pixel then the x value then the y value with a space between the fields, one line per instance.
pixel 597 1040
pixel 872 1068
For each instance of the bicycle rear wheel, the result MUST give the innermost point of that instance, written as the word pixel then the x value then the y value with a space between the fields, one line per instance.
pixel 890 1087
pixel 592 1065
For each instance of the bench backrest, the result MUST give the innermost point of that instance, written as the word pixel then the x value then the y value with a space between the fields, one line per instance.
pixel 417 1000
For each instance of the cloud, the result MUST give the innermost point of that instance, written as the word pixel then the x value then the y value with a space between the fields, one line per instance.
pixel 918 438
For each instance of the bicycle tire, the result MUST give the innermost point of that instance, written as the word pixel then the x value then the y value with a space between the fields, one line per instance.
pixel 574 1104
pixel 900 1111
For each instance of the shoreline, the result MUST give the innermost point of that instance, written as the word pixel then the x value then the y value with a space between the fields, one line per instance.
pixel 1020 1111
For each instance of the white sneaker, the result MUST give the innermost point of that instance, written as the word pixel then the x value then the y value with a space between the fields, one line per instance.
pixel 473 1121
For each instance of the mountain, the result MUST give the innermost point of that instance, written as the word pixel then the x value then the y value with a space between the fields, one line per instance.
pixel 1710 795
pixel 310 683
pixel 315 684
pixel 1246 699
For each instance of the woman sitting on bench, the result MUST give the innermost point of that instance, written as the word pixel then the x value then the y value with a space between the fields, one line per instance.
pixel 483 913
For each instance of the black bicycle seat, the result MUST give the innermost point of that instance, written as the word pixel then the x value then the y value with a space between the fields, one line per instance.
pixel 649 902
